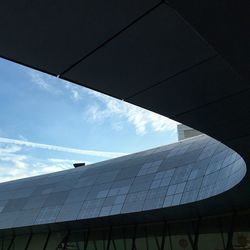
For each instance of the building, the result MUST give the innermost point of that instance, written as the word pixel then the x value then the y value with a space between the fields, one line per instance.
pixel 131 197
pixel 185 132
pixel 188 60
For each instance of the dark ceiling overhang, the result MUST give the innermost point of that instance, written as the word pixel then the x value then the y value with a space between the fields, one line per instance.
pixel 188 60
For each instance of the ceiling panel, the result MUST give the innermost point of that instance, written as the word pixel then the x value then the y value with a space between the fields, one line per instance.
pixel 192 89
pixel 52 35
pixel 226 120
pixel 158 46
pixel 224 24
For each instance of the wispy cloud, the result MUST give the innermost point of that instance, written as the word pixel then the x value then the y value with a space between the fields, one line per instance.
pixel 140 118
pixel 37 79
pixel 44 168
pixel 70 161
pixel 8 154
pixel 62 149
pixel 55 85
pixel 14 164
pixel 74 90
pixel 104 107
pixel 54 165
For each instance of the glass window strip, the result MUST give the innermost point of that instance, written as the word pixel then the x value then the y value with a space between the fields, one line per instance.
pixel 146 237
pixel 163 239
pixel 28 242
pixel 134 238
pixel 86 239
pixel 11 242
pixel 47 240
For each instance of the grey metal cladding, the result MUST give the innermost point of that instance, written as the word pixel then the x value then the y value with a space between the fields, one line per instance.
pixel 55 199
pixel 14 205
pixel 183 172
pixel 155 198
pixel 43 189
pixel 35 202
pixel 128 172
pixel 85 181
pixel 193 184
pixel 69 212
pixel 22 193
pixel 141 183
pixel 91 209
pixel 47 215
pixel 106 177
pixel 100 191
pixel 26 216
pixel 2 205
pixel 8 219
pixel 77 194
pixel 134 202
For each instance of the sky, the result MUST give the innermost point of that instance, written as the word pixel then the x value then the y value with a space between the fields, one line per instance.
pixel 47 124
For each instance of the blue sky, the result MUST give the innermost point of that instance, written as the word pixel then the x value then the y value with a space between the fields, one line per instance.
pixel 36 108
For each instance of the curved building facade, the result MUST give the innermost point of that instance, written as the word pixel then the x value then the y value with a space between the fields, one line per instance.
pixel 167 176
pixel 143 185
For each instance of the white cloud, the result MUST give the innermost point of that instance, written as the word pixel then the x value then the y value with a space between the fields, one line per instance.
pixel 140 118
pixel 67 161
pixel 2 133
pixel 40 168
pixel 15 165
pixel 106 107
pixel 61 149
pixel 37 79
pixel 73 89
pixel 21 137
pixel 53 165
pixel 9 149
pixel 16 161
pixel 56 160
pixel 55 85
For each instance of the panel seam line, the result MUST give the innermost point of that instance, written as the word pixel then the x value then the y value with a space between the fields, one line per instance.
pixel 110 39
pixel 172 76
